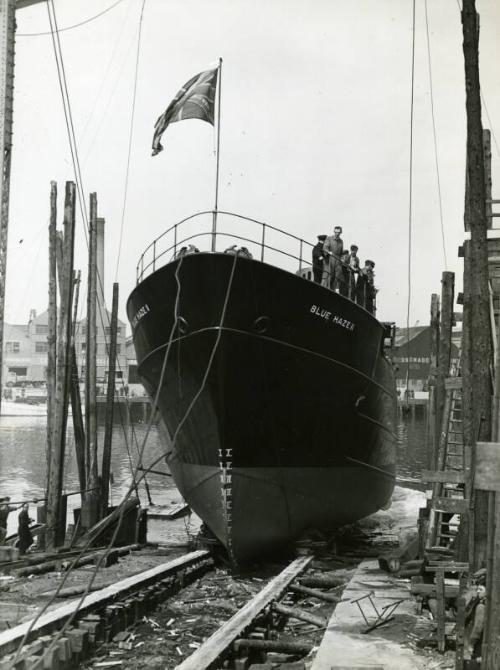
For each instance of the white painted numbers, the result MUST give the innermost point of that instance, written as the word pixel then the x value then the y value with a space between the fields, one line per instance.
pixel 322 313
pixel 226 464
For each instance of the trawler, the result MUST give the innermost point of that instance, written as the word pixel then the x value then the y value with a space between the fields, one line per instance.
pixel 276 396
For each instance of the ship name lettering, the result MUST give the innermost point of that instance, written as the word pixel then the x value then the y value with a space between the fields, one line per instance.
pixel 322 313
pixel 332 318
pixel 343 322
pixel 142 311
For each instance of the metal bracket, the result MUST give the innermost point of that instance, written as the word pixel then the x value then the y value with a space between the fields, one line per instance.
pixel 385 615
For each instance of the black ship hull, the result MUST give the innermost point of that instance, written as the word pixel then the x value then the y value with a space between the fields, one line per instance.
pixel 278 402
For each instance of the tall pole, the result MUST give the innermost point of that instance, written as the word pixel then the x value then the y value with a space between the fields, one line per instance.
pixel 76 402
pixel 7 29
pixel 479 357
pixel 445 331
pixel 214 221
pixel 52 325
pixel 55 510
pixel 90 509
pixel 7 39
pixel 108 431
pixel 432 431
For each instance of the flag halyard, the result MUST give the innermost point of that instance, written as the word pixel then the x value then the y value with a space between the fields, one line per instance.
pixel 195 100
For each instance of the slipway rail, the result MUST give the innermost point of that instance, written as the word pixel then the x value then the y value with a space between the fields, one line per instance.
pixel 220 642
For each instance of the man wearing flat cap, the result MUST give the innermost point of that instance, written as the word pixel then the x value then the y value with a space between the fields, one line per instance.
pixel 317 259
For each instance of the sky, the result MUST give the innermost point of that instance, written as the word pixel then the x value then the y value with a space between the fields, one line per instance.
pixel 315 131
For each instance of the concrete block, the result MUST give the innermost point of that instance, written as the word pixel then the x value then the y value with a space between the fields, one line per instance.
pixel 51 658
pixel 7 663
pixel 33 648
pixel 241 663
pixel 65 653
pixel 95 628
pixel 32 663
pixel 115 620
pixel 79 640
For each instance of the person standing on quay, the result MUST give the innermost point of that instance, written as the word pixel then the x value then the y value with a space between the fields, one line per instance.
pixel 332 249
pixel 25 536
pixel 317 259
pixel 5 509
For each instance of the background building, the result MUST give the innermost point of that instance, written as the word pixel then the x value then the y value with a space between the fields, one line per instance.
pixel 411 357
pixel 25 352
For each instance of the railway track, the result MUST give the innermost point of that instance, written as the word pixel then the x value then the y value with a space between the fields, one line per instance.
pixel 114 626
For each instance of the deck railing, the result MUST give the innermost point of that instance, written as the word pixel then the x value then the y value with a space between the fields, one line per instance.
pixel 220 231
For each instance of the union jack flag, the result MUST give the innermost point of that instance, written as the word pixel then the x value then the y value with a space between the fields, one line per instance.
pixel 195 100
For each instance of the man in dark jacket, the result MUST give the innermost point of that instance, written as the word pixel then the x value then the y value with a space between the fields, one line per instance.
pixel 317 259
pixel 24 533
pixel 5 509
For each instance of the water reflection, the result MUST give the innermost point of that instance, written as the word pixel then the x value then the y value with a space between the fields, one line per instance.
pixel 22 460
pixel 411 450
pixel 23 467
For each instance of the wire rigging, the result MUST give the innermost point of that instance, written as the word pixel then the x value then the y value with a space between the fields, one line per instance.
pixel 490 123
pixel 61 74
pixel 121 506
pixel 130 137
pixel 74 148
pixel 435 137
pixel 75 25
pixel 410 208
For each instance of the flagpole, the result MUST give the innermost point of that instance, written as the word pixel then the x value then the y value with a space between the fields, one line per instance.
pixel 214 221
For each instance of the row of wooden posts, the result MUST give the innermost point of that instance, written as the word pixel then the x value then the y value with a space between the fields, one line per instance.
pixel 479 534
pixel 63 378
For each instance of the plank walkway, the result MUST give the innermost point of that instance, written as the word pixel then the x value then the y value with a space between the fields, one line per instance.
pixel 344 645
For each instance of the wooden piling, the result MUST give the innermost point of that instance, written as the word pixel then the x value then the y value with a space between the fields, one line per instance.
pixel 90 506
pixel 432 424
pixel 76 401
pixel 108 430
pixel 55 520
pixel 478 359
pixel 51 327
pixel 444 348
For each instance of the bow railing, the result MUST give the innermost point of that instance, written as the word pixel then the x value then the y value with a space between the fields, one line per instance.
pixel 223 231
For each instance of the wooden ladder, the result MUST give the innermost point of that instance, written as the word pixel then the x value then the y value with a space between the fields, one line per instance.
pixel 448 480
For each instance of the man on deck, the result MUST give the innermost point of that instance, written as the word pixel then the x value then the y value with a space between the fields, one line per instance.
pixel 317 259
pixel 332 251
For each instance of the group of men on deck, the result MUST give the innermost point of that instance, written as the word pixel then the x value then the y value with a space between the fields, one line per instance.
pixel 340 270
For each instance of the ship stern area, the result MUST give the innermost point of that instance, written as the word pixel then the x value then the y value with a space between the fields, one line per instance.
pixel 280 406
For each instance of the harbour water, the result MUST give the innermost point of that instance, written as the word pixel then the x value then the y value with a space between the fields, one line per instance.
pixel 23 460
pixel 23 463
